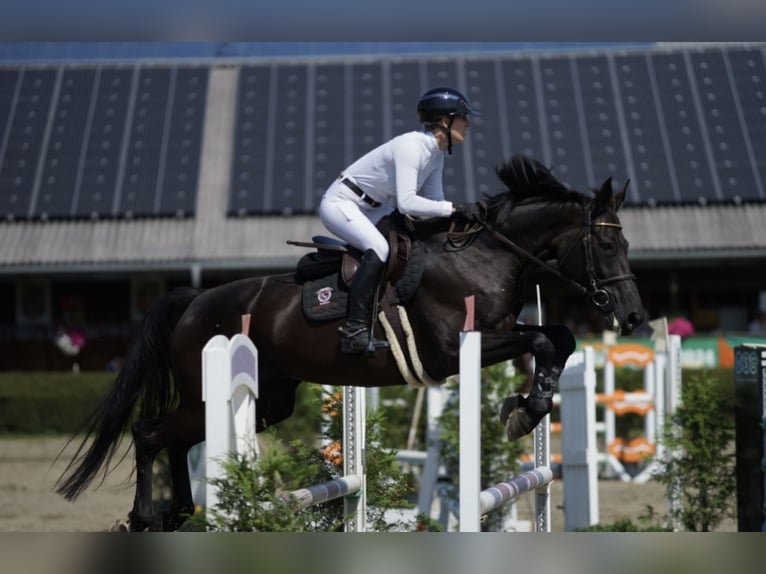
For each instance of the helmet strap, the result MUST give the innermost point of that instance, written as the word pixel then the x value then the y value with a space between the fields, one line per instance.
pixel 449 135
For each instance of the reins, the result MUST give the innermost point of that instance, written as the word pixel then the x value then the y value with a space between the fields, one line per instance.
pixel 600 297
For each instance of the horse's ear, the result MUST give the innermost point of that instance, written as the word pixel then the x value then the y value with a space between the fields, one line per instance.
pixel 619 197
pixel 606 198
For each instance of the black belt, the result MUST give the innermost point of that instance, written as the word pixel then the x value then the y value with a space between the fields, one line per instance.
pixel 358 190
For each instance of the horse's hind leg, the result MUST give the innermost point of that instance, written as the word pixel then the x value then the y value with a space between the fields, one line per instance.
pixel 187 428
pixel 147 446
pixel 178 432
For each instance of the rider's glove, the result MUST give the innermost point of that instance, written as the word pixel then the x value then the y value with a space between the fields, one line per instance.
pixel 470 211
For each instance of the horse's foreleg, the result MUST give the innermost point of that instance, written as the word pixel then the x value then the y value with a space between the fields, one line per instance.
pixel 551 347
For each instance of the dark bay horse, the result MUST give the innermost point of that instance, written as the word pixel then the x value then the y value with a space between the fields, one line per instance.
pixel 535 221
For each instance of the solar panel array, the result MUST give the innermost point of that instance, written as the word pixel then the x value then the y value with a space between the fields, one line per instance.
pixel 685 125
pixel 96 142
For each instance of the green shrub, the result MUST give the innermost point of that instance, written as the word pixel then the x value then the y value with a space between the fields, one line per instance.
pixel 252 493
pixel 699 466
pixel 49 402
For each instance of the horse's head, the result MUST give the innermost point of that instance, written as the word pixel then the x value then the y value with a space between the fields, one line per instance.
pixel 595 255
pixel 583 234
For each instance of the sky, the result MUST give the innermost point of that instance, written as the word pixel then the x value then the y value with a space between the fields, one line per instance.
pixel 391 20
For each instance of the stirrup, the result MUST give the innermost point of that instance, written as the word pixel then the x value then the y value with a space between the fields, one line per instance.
pixel 359 341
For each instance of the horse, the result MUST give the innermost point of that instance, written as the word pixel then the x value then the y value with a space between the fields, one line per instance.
pixel 534 221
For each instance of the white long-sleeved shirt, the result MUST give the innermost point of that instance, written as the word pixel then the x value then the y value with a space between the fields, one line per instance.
pixel 405 173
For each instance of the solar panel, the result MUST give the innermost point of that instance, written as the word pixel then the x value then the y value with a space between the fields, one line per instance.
pixel 330 103
pixel 749 71
pixel 94 196
pixel 406 86
pixel 686 126
pixel 61 161
pixel 520 106
pixel 487 142
pixel 645 133
pixel 145 145
pixel 288 180
pixel 254 126
pixel 367 111
pixel 9 83
pixel 724 131
pixel 22 145
pixel 182 149
pixel 604 150
pixel 690 161
pixel 562 120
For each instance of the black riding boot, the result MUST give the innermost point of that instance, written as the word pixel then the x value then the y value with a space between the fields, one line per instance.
pixel 356 335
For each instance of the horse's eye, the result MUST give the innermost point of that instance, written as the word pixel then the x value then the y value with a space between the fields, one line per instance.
pixel 606 246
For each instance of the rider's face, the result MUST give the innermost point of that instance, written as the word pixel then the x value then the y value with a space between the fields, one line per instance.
pixel 460 125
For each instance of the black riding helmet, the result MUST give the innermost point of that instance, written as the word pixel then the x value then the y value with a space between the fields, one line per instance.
pixel 440 102
pixel 443 102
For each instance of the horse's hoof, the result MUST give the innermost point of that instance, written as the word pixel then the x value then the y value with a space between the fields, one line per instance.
pixel 510 404
pixel 119 526
pixel 140 524
pixel 520 423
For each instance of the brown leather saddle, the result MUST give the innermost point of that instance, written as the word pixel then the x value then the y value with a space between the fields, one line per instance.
pixel 328 272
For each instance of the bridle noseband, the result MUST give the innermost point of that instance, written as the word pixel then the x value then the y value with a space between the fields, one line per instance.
pixel 601 298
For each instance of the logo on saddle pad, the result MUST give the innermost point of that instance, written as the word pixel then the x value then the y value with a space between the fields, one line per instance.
pixel 324 295
pixel 324 299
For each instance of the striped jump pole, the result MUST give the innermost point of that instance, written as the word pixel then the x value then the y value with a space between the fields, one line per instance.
pixel 509 490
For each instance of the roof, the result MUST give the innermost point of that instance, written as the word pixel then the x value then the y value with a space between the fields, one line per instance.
pixel 212 239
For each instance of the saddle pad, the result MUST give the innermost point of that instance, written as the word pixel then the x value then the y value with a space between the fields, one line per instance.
pixel 323 299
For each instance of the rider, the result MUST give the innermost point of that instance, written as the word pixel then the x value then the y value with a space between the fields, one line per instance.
pixel 404 173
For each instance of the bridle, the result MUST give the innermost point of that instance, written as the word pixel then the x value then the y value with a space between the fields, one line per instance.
pixel 600 297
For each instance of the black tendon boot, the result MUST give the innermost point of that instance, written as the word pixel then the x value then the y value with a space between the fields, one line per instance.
pixel 356 335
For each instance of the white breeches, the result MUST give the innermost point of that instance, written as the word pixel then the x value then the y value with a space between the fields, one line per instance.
pixel 347 216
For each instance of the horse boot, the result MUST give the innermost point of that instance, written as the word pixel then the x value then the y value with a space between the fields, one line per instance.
pixel 357 333
pixel 521 415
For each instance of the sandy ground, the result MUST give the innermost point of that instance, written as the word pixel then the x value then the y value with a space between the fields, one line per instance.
pixel 29 504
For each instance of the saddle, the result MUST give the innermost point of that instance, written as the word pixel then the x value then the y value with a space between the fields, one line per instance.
pixel 328 272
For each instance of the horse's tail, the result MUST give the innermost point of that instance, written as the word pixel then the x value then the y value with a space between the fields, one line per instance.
pixel 146 371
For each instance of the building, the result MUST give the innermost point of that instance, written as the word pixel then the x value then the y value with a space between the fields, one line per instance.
pixel 121 178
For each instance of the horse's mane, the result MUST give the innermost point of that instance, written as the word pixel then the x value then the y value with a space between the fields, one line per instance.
pixel 527 181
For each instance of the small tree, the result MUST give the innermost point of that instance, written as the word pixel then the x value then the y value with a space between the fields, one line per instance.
pixel 698 467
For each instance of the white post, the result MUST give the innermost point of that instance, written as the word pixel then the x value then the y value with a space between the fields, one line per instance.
pixel 578 441
pixel 542 435
pixel 470 431
pixel 216 369
pixel 229 390
pixel 354 429
pixel 672 400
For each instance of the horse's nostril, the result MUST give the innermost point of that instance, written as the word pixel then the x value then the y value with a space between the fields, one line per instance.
pixel 635 318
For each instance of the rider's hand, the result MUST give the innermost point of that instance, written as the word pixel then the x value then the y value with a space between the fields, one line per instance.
pixel 470 211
